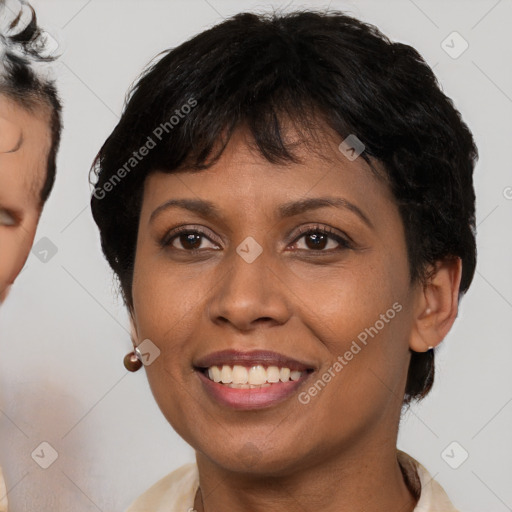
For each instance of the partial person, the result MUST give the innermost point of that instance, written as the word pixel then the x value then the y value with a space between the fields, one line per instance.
pixel 30 128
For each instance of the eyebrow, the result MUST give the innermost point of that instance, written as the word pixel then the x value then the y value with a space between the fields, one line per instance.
pixel 208 209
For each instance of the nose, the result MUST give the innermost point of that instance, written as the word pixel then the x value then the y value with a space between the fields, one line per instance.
pixel 250 294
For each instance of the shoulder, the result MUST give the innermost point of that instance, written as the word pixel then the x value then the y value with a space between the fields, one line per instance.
pixel 432 497
pixel 175 491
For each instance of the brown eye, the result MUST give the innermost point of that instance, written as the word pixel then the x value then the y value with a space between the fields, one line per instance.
pixel 189 239
pixel 322 239
pixel 316 241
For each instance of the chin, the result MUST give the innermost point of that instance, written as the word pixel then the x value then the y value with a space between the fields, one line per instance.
pixel 253 457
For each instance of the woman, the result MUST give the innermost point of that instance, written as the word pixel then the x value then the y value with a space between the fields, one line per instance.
pixel 288 203
pixel 30 126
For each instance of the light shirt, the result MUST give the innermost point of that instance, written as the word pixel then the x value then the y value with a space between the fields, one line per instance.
pixel 176 491
pixel 3 493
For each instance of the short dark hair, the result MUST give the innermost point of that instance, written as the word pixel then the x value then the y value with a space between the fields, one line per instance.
pixel 23 46
pixel 255 70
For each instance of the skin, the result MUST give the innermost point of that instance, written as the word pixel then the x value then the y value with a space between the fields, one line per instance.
pixel 338 452
pixel 25 140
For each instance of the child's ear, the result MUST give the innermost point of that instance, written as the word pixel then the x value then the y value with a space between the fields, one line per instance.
pixel 436 305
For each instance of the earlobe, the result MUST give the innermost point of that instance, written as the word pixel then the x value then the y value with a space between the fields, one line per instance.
pixel 437 305
pixel 133 360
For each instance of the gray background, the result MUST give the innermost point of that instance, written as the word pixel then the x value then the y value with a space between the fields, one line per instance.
pixel 64 330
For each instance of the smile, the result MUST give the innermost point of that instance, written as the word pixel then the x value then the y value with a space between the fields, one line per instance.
pixel 250 380
pixel 257 376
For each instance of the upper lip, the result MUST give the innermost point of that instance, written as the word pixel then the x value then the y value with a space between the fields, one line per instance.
pixel 254 357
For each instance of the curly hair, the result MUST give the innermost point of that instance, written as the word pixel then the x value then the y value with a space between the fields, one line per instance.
pixel 256 70
pixel 23 49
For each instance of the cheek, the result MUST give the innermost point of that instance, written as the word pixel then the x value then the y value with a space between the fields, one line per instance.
pixel 163 302
pixel 14 250
pixel 340 303
pixel 167 308
pixel 361 317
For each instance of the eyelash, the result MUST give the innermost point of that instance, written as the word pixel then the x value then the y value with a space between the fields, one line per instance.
pixel 303 231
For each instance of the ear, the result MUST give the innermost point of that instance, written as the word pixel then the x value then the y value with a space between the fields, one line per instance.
pixel 133 328
pixel 436 305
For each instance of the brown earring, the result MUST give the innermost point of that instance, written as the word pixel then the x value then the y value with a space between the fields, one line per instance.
pixel 131 361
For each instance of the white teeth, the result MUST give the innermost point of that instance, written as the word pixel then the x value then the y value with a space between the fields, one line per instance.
pixel 241 377
pixel 284 374
pixel 216 374
pixel 272 374
pixel 240 374
pixel 257 375
pixel 226 375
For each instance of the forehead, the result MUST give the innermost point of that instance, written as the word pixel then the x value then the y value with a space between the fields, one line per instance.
pixel 25 140
pixel 244 181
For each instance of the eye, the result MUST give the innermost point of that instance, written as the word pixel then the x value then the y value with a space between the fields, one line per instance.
pixel 6 218
pixel 189 239
pixel 318 238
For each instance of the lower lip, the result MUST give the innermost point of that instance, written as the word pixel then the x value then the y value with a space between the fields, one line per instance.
pixel 252 398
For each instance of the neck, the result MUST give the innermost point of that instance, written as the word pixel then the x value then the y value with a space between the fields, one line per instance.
pixel 366 478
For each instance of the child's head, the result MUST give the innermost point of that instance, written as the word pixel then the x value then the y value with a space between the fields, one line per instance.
pixel 30 127
pixel 286 80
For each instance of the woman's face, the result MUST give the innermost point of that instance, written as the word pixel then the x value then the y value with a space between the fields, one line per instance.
pixel 24 144
pixel 256 282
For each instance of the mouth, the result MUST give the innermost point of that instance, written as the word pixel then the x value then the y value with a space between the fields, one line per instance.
pixel 252 377
pixel 250 380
